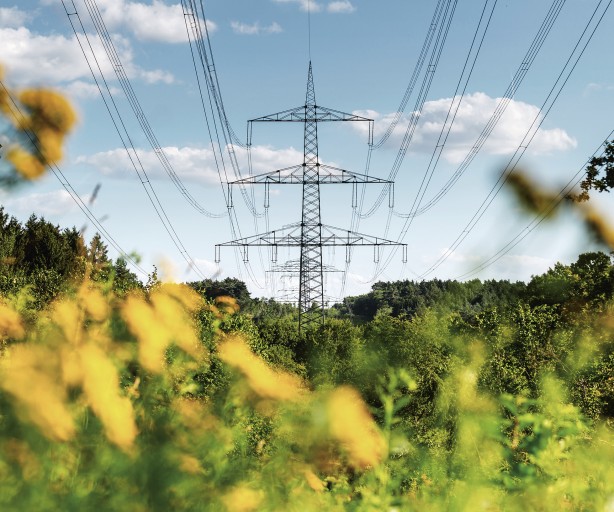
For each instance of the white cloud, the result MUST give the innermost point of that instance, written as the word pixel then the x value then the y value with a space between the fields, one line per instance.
pixel 255 29
pixel 32 58
pixel 157 22
pixel 190 164
pixel 80 89
pixel 342 6
pixel 305 5
pixel 598 87
pixel 156 75
pixel 47 203
pixel 12 17
pixel 473 114
pixel 266 158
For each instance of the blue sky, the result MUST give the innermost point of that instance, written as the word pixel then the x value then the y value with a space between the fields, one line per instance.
pixel 363 55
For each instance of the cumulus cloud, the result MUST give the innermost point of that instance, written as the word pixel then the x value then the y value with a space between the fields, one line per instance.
pixel 474 113
pixel 32 58
pixel 343 6
pixel 12 17
pixel 156 22
pixel 56 202
pixel 305 5
pixel 255 29
pixel 190 164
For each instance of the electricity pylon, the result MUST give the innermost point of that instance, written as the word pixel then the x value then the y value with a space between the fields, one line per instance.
pixel 291 270
pixel 309 234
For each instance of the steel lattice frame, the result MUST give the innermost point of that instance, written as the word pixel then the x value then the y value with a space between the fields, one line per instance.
pixel 310 235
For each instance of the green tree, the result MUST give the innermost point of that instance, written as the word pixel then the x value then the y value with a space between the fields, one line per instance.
pixel 599 173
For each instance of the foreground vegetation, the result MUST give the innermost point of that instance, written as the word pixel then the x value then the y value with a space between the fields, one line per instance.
pixel 118 395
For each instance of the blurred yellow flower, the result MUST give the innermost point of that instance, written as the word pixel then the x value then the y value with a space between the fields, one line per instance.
pixel 49 118
pixel 101 386
pixel 351 424
pixel 25 163
pixel 190 464
pixel 164 321
pixel 29 374
pixel 10 322
pixel 171 314
pixel 49 108
pixel 191 300
pixel 597 225
pixel 94 303
pixel 153 337
pixel 242 499
pixel 263 380
pixel 67 315
pixel 313 480
pixel 228 304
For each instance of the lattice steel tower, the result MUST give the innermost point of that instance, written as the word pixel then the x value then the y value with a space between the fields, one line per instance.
pixel 310 234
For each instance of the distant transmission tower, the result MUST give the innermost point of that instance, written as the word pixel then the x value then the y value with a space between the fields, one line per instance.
pixel 310 234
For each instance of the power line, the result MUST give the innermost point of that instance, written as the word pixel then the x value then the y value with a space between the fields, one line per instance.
pixel 502 105
pixel 128 145
pixel 191 8
pixel 446 17
pixel 523 68
pixel 454 105
pixel 140 115
pixel 55 169
pixel 539 218
pixel 205 53
pixel 528 138
pixel 442 18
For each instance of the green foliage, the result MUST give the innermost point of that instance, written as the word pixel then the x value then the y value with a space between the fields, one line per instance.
pixel 228 287
pixel 599 173
pixel 486 395
pixel 408 298
pixel 48 259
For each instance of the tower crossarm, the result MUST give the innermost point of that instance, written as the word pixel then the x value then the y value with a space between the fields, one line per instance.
pixel 290 236
pixel 309 114
pixel 294 175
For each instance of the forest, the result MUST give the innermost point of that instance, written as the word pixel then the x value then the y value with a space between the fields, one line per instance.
pixel 123 394
pixel 439 395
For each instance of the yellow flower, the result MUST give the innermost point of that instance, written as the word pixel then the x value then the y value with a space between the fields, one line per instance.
pixel 152 335
pixel 265 381
pixel 25 163
pixel 30 376
pixel 351 424
pixel 313 480
pixel 101 386
pixel 67 316
pixel 171 314
pixel 10 322
pixel 598 226
pixel 165 321
pixel 228 304
pixel 190 464
pixel 242 499
pixel 50 143
pixel 94 303
pixel 191 300
pixel 49 108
